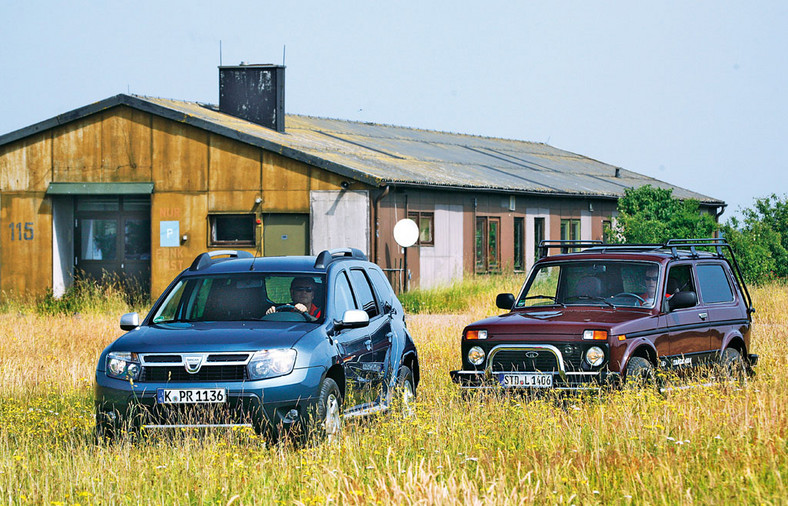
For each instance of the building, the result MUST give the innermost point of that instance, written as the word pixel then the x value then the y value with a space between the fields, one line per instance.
pixel 138 186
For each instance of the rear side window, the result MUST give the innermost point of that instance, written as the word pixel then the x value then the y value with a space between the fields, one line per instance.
pixel 382 285
pixel 364 292
pixel 714 285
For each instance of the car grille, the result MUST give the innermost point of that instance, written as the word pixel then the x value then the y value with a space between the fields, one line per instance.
pixel 544 361
pixel 206 373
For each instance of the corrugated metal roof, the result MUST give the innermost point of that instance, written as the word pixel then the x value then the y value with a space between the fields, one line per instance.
pixel 384 154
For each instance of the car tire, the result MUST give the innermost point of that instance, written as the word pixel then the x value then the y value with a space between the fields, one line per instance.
pixel 404 397
pixel 327 421
pixel 733 366
pixel 639 372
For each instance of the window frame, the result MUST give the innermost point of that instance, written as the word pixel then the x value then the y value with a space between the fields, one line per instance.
pixel 417 217
pixel 487 266
pixel 212 231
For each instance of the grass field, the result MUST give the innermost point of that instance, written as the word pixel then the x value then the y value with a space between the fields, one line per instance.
pixel 720 444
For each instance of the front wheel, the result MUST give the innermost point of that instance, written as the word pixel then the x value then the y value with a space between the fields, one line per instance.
pixel 327 422
pixel 639 372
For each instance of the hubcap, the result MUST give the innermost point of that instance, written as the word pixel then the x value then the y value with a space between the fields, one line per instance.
pixel 333 421
pixel 407 398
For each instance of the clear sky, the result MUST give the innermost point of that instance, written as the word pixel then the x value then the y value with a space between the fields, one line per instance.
pixel 690 92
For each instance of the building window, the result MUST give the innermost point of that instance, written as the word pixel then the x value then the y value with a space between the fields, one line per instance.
pixel 488 255
pixel 519 244
pixel 570 231
pixel 232 230
pixel 426 223
pixel 538 235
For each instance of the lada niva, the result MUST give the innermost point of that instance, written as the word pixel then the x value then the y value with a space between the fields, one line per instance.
pixel 274 343
pixel 600 314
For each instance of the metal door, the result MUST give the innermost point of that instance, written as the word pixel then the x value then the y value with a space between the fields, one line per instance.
pixel 112 240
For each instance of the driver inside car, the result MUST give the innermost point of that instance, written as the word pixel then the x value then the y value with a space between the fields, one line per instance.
pixel 302 292
pixel 650 278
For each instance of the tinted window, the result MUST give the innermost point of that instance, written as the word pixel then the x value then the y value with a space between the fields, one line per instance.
pixel 382 286
pixel 679 280
pixel 364 292
pixel 343 296
pixel 714 286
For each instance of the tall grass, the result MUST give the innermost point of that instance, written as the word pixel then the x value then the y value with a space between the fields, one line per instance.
pixel 721 444
pixel 472 293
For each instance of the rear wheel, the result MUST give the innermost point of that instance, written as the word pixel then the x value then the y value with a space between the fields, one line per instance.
pixel 404 398
pixel 733 366
pixel 639 373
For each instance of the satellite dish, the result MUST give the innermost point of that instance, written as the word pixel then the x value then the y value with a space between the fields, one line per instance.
pixel 406 232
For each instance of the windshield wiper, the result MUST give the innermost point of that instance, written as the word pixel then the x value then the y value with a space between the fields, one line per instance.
pixel 589 297
pixel 554 299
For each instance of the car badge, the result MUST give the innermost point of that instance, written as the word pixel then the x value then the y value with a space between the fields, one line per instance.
pixel 532 354
pixel 193 363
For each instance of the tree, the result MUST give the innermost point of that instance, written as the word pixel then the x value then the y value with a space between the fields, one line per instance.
pixel 652 215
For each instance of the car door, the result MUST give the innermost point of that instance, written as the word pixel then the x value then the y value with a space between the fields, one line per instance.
pixel 355 347
pixel 375 362
pixel 688 327
pixel 718 298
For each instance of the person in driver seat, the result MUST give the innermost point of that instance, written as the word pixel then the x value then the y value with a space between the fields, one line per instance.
pixel 302 292
pixel 650 278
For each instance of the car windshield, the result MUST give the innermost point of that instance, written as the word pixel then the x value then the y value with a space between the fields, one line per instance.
pixel 606 283
pixel 244 296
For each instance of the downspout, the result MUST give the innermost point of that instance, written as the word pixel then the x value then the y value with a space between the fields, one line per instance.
pixel 377 222
pixel 718 214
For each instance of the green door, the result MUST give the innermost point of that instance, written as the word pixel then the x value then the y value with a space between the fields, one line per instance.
pixel 285 234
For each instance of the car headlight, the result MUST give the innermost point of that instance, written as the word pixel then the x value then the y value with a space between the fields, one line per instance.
pixel 595 356
pixel 123 365
pixel 476 355
pixel 271 363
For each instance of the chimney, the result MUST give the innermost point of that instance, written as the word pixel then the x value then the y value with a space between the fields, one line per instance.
pixel 255 93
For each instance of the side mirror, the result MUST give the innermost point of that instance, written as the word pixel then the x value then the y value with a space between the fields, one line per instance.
pixel 129 321
pixel 353 319
pixel 681 300
pixel 505 301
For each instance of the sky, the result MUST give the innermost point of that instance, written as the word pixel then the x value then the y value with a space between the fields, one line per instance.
pixel 694 93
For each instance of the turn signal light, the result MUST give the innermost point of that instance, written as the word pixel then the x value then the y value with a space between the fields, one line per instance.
pixel 600 335
pixel 476 334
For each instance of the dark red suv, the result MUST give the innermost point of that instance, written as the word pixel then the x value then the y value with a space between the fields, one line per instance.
pixel 601 313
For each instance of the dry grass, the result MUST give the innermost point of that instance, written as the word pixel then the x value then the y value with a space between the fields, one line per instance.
pixel 720 444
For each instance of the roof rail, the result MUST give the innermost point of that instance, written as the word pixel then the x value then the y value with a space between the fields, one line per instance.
pixel 549 244
pixel 207 259
pixel 327 256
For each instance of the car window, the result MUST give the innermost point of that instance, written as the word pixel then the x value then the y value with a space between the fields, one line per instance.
pixel 382 286
pixel 363 291
pixel 343 295
pixel 714 285
pixel 679 280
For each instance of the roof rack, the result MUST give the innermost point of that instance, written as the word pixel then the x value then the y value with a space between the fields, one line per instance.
pixel 207 259
pixel 720 246
pixel 327 256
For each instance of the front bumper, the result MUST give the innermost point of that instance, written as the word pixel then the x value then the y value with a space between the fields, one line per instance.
pixel 264 405
pixel 561 378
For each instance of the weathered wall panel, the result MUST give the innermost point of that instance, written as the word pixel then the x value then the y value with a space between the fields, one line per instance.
pixel 232 201
pixel 26 243
pixel 26 165
pixel 126 145
pixel 285 201
pixel 234 165
pixel 180 156
pixel 191 211
pixel 340 219
pixel 280 173
pixel 76 151
pixel 442 263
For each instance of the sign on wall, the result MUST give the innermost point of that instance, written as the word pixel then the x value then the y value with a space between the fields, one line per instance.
pixel 169 234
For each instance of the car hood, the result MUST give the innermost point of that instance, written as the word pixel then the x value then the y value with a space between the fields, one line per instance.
pixel 207 337
pixel 559 321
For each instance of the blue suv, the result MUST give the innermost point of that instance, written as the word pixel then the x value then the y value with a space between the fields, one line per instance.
pixel 280 344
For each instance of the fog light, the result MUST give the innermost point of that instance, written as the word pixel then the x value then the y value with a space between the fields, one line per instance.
pixel 291 416
pixel 595 356
pixel 476 355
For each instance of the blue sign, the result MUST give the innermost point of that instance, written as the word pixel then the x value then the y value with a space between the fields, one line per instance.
pixel 169 234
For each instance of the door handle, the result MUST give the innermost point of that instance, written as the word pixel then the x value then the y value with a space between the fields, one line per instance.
pixel 703 316
pixel 368 344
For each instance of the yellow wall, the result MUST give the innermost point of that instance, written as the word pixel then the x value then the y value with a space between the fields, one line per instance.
pixel 194 173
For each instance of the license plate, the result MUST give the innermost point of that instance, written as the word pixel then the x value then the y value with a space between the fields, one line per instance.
pixel 191 395
pixel 526 380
